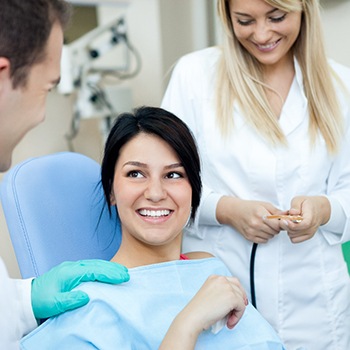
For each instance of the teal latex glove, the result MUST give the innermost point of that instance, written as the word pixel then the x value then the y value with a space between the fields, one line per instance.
pixel 51 292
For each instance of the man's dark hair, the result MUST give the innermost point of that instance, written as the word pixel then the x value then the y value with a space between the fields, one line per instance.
pixel 25 26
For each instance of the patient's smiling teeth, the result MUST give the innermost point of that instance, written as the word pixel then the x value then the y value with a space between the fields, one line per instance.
pixel 154 213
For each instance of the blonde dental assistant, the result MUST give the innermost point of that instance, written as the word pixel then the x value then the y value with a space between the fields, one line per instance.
pixel 31 38
pixel 271 118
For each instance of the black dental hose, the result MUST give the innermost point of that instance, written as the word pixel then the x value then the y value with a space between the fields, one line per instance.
pixel 252 281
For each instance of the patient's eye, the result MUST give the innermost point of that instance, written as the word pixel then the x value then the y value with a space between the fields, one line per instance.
pixel 134 173
pixel 174 175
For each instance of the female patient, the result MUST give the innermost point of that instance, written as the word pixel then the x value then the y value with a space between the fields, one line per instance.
pixel 151 174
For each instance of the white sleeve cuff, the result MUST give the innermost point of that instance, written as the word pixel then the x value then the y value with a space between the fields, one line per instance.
pixel 27 321
pixel 334 228
pixel 207 213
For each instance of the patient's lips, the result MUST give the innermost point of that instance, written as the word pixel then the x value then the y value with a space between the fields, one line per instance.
pixel 155 215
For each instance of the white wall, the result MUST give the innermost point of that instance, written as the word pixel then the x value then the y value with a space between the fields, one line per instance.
pixel 162 30
pixel 336 21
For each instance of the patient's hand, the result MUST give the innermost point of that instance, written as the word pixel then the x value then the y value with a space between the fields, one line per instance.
pixel 219 297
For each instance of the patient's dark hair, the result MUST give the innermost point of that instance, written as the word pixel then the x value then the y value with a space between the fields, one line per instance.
pixel 159 122
pixel 25 27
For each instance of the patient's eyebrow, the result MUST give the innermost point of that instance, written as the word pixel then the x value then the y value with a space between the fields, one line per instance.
pixel 174 166
pixel 135 163
pixel 144 165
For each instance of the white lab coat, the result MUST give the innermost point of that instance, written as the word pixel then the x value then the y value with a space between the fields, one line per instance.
pixel 302 289
pixel 16 314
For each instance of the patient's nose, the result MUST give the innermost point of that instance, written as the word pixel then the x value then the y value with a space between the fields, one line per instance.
pixel 155 191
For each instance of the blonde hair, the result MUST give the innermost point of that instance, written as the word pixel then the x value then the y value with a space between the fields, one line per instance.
pixel 240 79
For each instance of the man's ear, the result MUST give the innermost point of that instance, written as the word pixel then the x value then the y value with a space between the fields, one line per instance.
pixel 5 71
pixel 4 64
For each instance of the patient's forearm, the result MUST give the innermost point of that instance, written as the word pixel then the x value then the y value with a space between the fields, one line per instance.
pixel 181 335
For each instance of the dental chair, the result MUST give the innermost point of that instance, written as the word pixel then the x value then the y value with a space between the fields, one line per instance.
pixel 55 212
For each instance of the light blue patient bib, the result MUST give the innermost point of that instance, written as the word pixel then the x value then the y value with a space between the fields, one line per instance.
pixel 137 314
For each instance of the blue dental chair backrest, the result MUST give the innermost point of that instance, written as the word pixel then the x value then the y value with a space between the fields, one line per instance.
pixel 54 209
